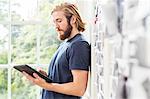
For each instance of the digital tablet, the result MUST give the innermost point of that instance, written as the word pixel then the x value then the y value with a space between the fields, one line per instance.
pixel 29 70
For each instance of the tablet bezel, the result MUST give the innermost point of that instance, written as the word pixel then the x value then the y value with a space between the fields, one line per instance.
pixel 29 70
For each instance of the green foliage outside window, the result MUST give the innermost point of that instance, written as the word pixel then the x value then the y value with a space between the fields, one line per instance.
pixel 3 83
pixel 24 44
pixel 3 57
pixel 21 88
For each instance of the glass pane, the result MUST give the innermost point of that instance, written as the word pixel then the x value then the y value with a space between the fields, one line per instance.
pixel 3 44
pixel 4 6
pixel 48 44
pixel 45 7
pixel 24 44
pixel 21 88
pixel 3 83
pixel 23 10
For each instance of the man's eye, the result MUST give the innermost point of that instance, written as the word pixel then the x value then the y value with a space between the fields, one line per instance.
pixel 59 21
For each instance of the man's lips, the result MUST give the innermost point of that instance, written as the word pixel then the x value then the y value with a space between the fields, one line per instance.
pixel 57 29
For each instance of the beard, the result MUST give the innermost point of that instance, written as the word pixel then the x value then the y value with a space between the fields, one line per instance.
pixel 66 33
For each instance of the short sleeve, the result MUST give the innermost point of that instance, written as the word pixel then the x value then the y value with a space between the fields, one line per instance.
pixel 79 56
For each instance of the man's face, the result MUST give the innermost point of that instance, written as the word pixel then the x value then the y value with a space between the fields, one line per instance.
pixel 62 26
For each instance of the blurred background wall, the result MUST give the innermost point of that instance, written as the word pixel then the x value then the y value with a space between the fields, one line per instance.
pixel 120 51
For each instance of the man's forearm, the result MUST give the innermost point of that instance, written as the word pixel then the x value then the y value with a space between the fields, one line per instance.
pixel 71 88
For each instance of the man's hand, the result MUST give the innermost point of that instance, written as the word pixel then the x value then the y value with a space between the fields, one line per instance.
pixel 41 71
pixel 37 80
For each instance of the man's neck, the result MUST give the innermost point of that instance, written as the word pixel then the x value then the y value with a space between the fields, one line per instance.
pixel 73 33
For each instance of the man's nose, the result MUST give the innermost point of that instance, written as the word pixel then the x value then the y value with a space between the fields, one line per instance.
pixel 56 25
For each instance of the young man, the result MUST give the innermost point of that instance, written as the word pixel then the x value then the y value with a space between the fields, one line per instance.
pixel 70 64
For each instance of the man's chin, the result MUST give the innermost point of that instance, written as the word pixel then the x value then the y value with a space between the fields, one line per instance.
pixel 61 37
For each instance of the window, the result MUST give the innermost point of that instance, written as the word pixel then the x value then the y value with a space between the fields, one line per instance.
pixel 26 37
pixel 4 43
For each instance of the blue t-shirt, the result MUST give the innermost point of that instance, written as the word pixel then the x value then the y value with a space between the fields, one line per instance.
pixel 73 54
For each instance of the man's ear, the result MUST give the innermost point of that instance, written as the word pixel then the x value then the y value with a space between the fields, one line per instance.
pixel 73 20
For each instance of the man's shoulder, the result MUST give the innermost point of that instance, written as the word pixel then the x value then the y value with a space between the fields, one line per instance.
pixel 79 39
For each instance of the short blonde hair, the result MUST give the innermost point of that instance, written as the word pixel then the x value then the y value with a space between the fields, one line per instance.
pixel 69 10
